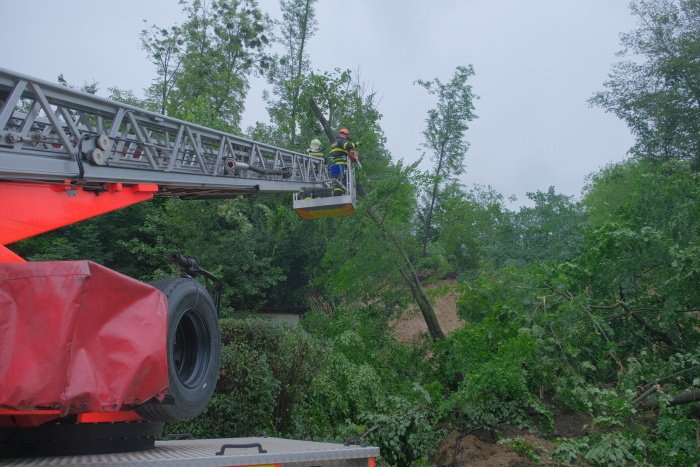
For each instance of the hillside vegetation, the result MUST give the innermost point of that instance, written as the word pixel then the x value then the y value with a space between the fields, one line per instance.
pixel 579 338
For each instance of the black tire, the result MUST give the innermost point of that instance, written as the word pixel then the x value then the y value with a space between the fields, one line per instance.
pixel 194 352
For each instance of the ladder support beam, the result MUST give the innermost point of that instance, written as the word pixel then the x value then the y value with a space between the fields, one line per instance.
pixel 55 133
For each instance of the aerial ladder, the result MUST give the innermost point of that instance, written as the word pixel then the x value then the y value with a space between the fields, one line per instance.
pixel 82 346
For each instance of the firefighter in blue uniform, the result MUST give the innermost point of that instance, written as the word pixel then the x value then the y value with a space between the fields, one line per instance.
pixel 339 158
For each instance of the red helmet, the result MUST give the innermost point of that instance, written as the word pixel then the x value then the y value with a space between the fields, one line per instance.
pixel 344 131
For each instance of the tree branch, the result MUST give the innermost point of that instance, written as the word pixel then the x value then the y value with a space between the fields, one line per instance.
pixel 638 401
pixel 661 335
pixel 686 397
pixel 567 295
pixel 322 119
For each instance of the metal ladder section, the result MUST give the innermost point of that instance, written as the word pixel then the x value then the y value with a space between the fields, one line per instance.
pixel 49 132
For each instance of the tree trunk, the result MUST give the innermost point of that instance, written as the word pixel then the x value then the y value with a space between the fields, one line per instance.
pixel 409 275
pixel 407 271
pixel 429 220
pixel 297 76
pixel 438 171
pixel 324 123
pixel 683 398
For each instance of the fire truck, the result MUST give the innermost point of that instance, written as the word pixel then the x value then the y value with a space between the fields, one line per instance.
pixel 93 361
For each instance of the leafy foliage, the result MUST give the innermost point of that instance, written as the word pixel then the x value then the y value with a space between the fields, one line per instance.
pixel 165 49
pixel 203 65
pixel 266 371
pixel 405 430
pixel 490 366
pixel 656 92
pixel 445 139
pixel 289 72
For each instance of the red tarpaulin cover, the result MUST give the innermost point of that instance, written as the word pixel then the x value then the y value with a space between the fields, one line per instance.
pixel 77 336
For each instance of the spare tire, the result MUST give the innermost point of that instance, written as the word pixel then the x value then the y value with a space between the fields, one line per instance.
pixel 193 350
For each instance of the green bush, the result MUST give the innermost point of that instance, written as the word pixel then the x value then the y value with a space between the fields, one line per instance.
pixel 487 365
pixel 267 368
pixel 403 429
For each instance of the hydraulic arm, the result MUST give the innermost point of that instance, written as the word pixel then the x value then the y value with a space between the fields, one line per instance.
pixel 66 155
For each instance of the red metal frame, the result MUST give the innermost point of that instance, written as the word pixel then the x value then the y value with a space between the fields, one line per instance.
pixel 342 210
pixel 7 256
pixel 30 209
pixel 98 417
pixel 16 418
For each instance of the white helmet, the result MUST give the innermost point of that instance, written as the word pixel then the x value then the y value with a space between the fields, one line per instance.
pixel 315 144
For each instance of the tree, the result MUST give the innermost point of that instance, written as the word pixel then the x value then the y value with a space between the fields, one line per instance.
pixel 659 97
pixel 444 138
pixel 643 236
pixel 127 96
pixel 390 220
pixel 377 256
pixel 299 245
pixel 550 230
pixel 90 88
pixel 224 43
pixel 164 48
pixel 475 227
pixel 228 236
pixel 604 330
pixel 336 100
pixel 330 96
pixel 287 74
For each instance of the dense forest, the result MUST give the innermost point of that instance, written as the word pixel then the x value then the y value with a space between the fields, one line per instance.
pixel 581 311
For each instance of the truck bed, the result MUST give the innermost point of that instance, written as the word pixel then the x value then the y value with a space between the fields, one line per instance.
pixel 202 452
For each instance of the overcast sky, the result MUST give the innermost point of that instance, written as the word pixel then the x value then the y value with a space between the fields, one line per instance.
pixel 537 62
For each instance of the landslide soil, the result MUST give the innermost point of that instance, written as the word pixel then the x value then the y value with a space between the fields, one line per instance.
pixel 411 325
pixel 480 449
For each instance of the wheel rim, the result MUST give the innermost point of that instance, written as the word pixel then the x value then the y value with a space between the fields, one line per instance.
pixel 191 349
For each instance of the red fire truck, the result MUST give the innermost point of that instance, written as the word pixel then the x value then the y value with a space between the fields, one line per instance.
pixel 86 352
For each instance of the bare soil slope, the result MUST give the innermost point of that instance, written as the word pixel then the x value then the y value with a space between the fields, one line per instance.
pixel 457 450
pixel 411 325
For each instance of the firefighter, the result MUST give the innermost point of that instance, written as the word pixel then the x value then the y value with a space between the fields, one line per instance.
pixel 339 157
pixel 315 149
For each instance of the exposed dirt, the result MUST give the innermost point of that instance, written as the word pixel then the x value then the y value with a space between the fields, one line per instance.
pixel 411 325
pixel 571 424
pixel 457 450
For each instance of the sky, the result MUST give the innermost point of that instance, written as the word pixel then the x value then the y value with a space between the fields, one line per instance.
pixel 537 62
